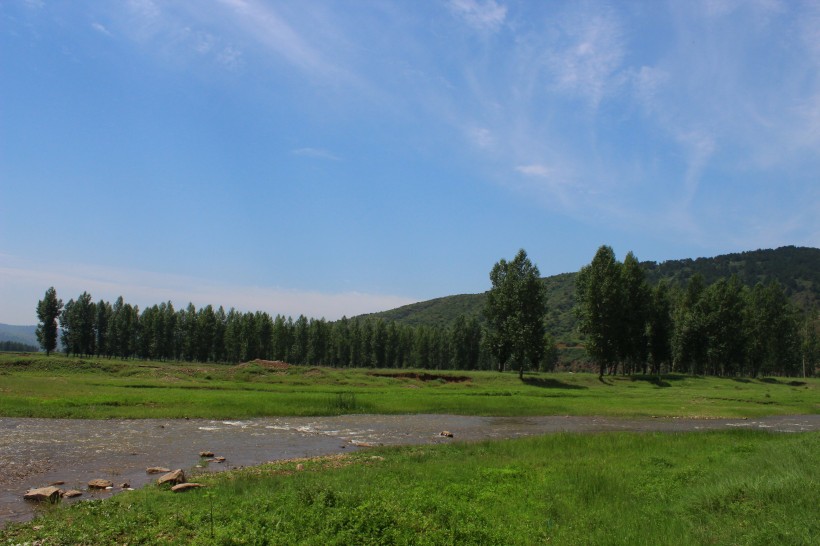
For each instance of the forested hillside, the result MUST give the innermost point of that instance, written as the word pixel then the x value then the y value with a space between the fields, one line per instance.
pixel 797 269
pixel 18 334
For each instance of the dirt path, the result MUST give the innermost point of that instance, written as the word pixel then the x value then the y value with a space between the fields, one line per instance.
pixel 37 452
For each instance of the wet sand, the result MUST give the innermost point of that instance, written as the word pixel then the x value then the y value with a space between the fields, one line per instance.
pixel 38 452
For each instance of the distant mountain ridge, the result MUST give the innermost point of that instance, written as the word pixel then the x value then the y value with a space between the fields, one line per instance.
pixel 797 269
pixel 19 334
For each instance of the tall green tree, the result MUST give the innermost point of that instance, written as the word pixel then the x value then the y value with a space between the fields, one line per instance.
pixel 635 315
pixel 723 312
pixel 810 343
pixel 599 304
pixel 101 327
pixel 515 310
pixel 689 340
pixel 660 327
pixel 48 311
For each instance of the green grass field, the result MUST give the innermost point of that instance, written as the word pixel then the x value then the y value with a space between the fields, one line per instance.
pixel 56 386
pixel 736 487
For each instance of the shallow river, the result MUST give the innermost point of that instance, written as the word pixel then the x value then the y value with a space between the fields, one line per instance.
pixel 38 452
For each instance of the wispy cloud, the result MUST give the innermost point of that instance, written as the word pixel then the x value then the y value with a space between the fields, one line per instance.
pixel 535 169
pixel 487 15
pixel 100 28
pixel 316 153
pixel 481 137
pixel 587 60
pixel 267 27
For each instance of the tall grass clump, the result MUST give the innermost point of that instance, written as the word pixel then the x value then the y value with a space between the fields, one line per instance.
pixel 343 402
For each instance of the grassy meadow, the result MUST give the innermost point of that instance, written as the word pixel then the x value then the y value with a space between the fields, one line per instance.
pixel 735 487
pixel 33 385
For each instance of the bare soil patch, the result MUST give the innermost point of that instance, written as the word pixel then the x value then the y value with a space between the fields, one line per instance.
pixel 267 364
pixel 424 376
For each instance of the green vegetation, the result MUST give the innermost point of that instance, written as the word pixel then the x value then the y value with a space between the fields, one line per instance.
pixel 515 310
pixel 726 329
pixel 48 311
pixel 16 346
pixel 797 269
pixel 736 487
pixel 57 386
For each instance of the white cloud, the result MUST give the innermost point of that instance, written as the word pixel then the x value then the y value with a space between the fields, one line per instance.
pixel 487 15
pixel 535 169
pixel 230 57
pixel 23 284
pixel 100 28
pixel 481 137
pixel 588 60
pixel 268 28
pixel 316 153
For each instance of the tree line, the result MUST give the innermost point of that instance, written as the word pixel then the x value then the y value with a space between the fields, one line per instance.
pixel 725 328
pixel 17 346
pixel 209 334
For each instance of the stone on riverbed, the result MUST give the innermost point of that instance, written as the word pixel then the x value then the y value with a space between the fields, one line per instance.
pixel 42 494
pixel 206 453
pixel 179 488
pixel 157 470
pixel 71 493
pixel 100 484
pixel 173 478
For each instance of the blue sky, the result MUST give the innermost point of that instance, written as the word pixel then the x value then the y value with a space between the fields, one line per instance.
pixel 332 158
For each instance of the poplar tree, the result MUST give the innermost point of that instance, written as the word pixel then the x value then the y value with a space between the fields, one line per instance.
pixel 48 310
pixel 515 310
pixel 599 300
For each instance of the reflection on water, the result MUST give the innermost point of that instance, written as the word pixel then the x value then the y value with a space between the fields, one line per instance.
pixel 37 452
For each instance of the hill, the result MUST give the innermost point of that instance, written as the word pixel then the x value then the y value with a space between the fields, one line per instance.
pixel 19 334
pixel 796 268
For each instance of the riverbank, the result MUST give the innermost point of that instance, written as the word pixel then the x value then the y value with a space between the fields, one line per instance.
pixel 736 486
pixel 38 452
pixel 61 387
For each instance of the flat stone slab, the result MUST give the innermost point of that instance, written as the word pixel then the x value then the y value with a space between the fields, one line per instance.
pixel 43 494
pixel 173 478
pixel 181 487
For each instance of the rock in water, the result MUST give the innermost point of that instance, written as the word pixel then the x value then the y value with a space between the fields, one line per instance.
pixel 71 493
pixel 42 494
pixel 100 484
pixel 446 434
pixel 173 478
pixel 179 488
pixel 206 453
pixel 157 470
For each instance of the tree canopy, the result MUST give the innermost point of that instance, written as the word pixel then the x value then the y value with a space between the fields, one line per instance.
pixel 515 310
pixel 48 310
